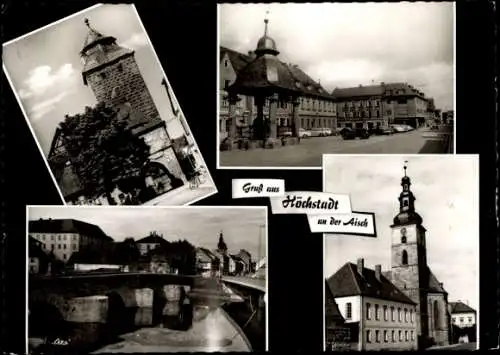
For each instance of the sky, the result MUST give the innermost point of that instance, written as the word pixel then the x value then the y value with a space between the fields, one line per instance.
pixel 446 189
pixel 45 68
pixel 351 44
pixel 241 227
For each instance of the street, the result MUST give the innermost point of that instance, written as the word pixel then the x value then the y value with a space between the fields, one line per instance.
pixel 310 150
pixel 463 346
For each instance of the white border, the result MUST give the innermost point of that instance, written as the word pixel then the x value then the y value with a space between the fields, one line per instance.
pixel 449 156
pixel 180 115
pixel 455 78
pixel 142 208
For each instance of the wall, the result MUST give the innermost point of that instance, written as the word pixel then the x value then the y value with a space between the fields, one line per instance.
pixel 126 76
pixel 406 325
pixel 466 323
pixel 438 328
pixel 356 307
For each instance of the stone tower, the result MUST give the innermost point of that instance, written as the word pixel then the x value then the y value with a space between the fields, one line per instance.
pixel 408 258
pixel 113 75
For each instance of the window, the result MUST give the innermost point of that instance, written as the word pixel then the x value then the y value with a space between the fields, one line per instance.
pixel 406 335
pixel 377 336
pixel 400 315
pixel 348 310
pixel 64 237
pixel 461 319
pixel 406 315
pixel 400 335
pixel 368 336
pixel 368 311
pixel 393 314
pixel 58 237
pixel 386 313
pixel 225 63
pixel 436 315
pixel 64 246
pixel 470 319
pixel 411 315
pixel 58 246
pixel 64 256
pixel 404 258
pixel 52 237
pixel 377 317
pixel 393 336
pixel 386 336
pixel 75 237
pixel 412 335
pixel 74 246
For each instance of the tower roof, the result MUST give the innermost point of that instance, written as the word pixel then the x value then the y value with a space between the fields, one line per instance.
pixel 407 214
pixel 99 50
pixel 266 45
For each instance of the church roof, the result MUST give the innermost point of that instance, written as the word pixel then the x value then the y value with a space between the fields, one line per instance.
pixel 433 286
pixel 460 307
pixel 348 282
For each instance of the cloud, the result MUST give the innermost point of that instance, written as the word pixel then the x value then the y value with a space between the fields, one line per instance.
pixel 137 40
pixel 43 78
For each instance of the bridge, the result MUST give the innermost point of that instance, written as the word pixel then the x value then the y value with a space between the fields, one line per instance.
pixel 109 305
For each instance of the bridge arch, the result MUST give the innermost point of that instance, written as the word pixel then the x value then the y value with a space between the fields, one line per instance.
pixel 45 320
pixel 116 320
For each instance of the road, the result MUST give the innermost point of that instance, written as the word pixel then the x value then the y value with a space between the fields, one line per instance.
pixel 463 346
pixel 309 152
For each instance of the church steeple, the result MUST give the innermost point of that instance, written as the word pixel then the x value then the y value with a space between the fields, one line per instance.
pixel 221 246
pixel 407 214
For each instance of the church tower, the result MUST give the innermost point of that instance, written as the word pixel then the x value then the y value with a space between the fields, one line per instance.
pixel 408 256
pixel 113 74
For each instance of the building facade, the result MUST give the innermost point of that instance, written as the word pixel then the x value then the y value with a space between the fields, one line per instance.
pixel 383 316
pixel 114 77
pixel 63 237
pixel 411 274
pixel 380 105
pixel 151 242
pixel 462 315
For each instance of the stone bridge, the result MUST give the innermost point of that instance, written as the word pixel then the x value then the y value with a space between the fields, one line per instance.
pixel 114 304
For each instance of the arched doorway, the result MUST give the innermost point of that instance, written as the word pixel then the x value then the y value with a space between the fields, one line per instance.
pixel 158 180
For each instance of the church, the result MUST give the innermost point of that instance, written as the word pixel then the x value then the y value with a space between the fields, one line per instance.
pixel 374 300
pixel 114 77
pixel 411 273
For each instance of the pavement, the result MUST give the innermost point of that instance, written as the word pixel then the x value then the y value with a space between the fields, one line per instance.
pixel 216 332
pixel 184 195
pixel 310 150
pixel 458 347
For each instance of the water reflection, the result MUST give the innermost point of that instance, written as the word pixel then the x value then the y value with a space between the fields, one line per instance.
pixel 178 321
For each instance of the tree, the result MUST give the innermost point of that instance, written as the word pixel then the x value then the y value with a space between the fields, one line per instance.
pixel 127 251
pixel 103 151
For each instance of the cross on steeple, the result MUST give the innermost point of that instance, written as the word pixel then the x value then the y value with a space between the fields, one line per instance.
pixel 405 166
pixel 266 21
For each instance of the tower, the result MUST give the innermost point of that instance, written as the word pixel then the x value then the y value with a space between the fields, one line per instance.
pixel 408 256
pixel 221 246
pixel 113 74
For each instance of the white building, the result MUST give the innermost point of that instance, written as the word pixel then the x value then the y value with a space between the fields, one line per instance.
pixel 385 316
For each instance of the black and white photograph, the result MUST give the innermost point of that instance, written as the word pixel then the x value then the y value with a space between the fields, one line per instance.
pixel 146 279
pixel 296 81
pixel 103 113
pixel 415 286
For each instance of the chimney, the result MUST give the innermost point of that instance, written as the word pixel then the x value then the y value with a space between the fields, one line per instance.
pixel 361 265
pixel 378 271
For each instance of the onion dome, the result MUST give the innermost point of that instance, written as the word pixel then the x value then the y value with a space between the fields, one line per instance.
pixel 407 214
pixel 266 45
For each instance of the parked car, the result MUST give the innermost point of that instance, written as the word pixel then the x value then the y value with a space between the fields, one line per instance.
pixel 327 131
pixel 408 128
pixel 303 133
pixel 398 128
pixel 317 132
pixel 353 133
pixel 286 132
